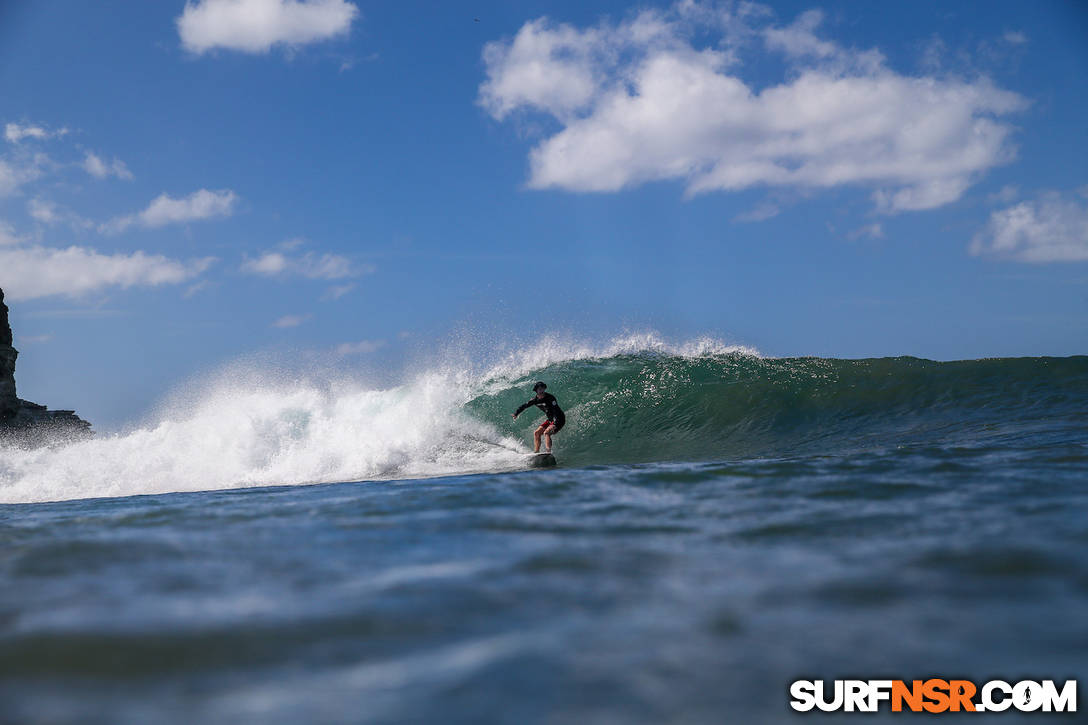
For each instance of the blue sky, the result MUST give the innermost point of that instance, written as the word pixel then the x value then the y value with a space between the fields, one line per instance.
pixel 185 185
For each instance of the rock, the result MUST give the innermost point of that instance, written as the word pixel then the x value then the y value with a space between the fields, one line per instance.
pixel 21 421
pixel 9 404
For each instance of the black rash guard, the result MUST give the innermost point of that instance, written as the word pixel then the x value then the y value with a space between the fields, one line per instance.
pixel 549 405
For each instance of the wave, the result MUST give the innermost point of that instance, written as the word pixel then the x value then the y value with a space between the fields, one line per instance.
pixel 654 406
pixel 634 399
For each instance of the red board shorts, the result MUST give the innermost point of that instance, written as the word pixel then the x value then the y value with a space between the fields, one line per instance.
pixel 558 426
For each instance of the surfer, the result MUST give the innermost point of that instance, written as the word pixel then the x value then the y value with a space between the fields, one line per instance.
pixel 554 422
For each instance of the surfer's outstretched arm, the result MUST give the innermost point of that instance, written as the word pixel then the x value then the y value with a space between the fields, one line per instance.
pixel 530 403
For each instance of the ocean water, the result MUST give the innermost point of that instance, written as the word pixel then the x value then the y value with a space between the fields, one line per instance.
pixel 721 524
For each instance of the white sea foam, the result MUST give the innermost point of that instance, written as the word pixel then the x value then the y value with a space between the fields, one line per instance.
pixel 554 349
pixel 251 428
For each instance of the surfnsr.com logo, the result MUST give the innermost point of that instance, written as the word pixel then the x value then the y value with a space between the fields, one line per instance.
pixel 933 695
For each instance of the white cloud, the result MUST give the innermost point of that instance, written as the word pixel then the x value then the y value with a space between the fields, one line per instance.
pixel 552 69
pixel 9 179
pixel 799 39
pixel 290 320
pixel 290 244
pixel 760 213
pixel 1004 195
pixel 337 291
pixel 24 169
pixel 1015 37
pixel 15 133
pixel 201 204
pixel 43 211
pixel 268 264
pixel 872 231
pixel 100 169
pixel 933 54
pixel 193 289
pixel 254 26
pixel 23 165
pixel 641 101
pixel 8 235
pixel 1052 228
pixel 35 271
pixel 310 265
pixel 50 213
pixel 164 209
pixel 363 347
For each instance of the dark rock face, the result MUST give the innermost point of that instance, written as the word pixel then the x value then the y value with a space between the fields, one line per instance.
pixel 9 404
pixel 21 420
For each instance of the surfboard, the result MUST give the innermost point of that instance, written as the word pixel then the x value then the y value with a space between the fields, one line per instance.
pixel 542 460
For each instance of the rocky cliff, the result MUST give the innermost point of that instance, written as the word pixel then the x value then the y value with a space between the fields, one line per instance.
pixel 21 420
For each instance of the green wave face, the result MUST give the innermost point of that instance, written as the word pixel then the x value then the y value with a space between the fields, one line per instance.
pixel 658 407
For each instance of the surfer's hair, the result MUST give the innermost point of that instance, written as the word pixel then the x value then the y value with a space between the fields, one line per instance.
pixel 540 385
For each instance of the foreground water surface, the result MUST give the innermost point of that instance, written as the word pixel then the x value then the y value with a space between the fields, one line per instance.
pixel 641 593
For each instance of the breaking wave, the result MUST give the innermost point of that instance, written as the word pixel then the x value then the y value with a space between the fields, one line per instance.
pixel 636 399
